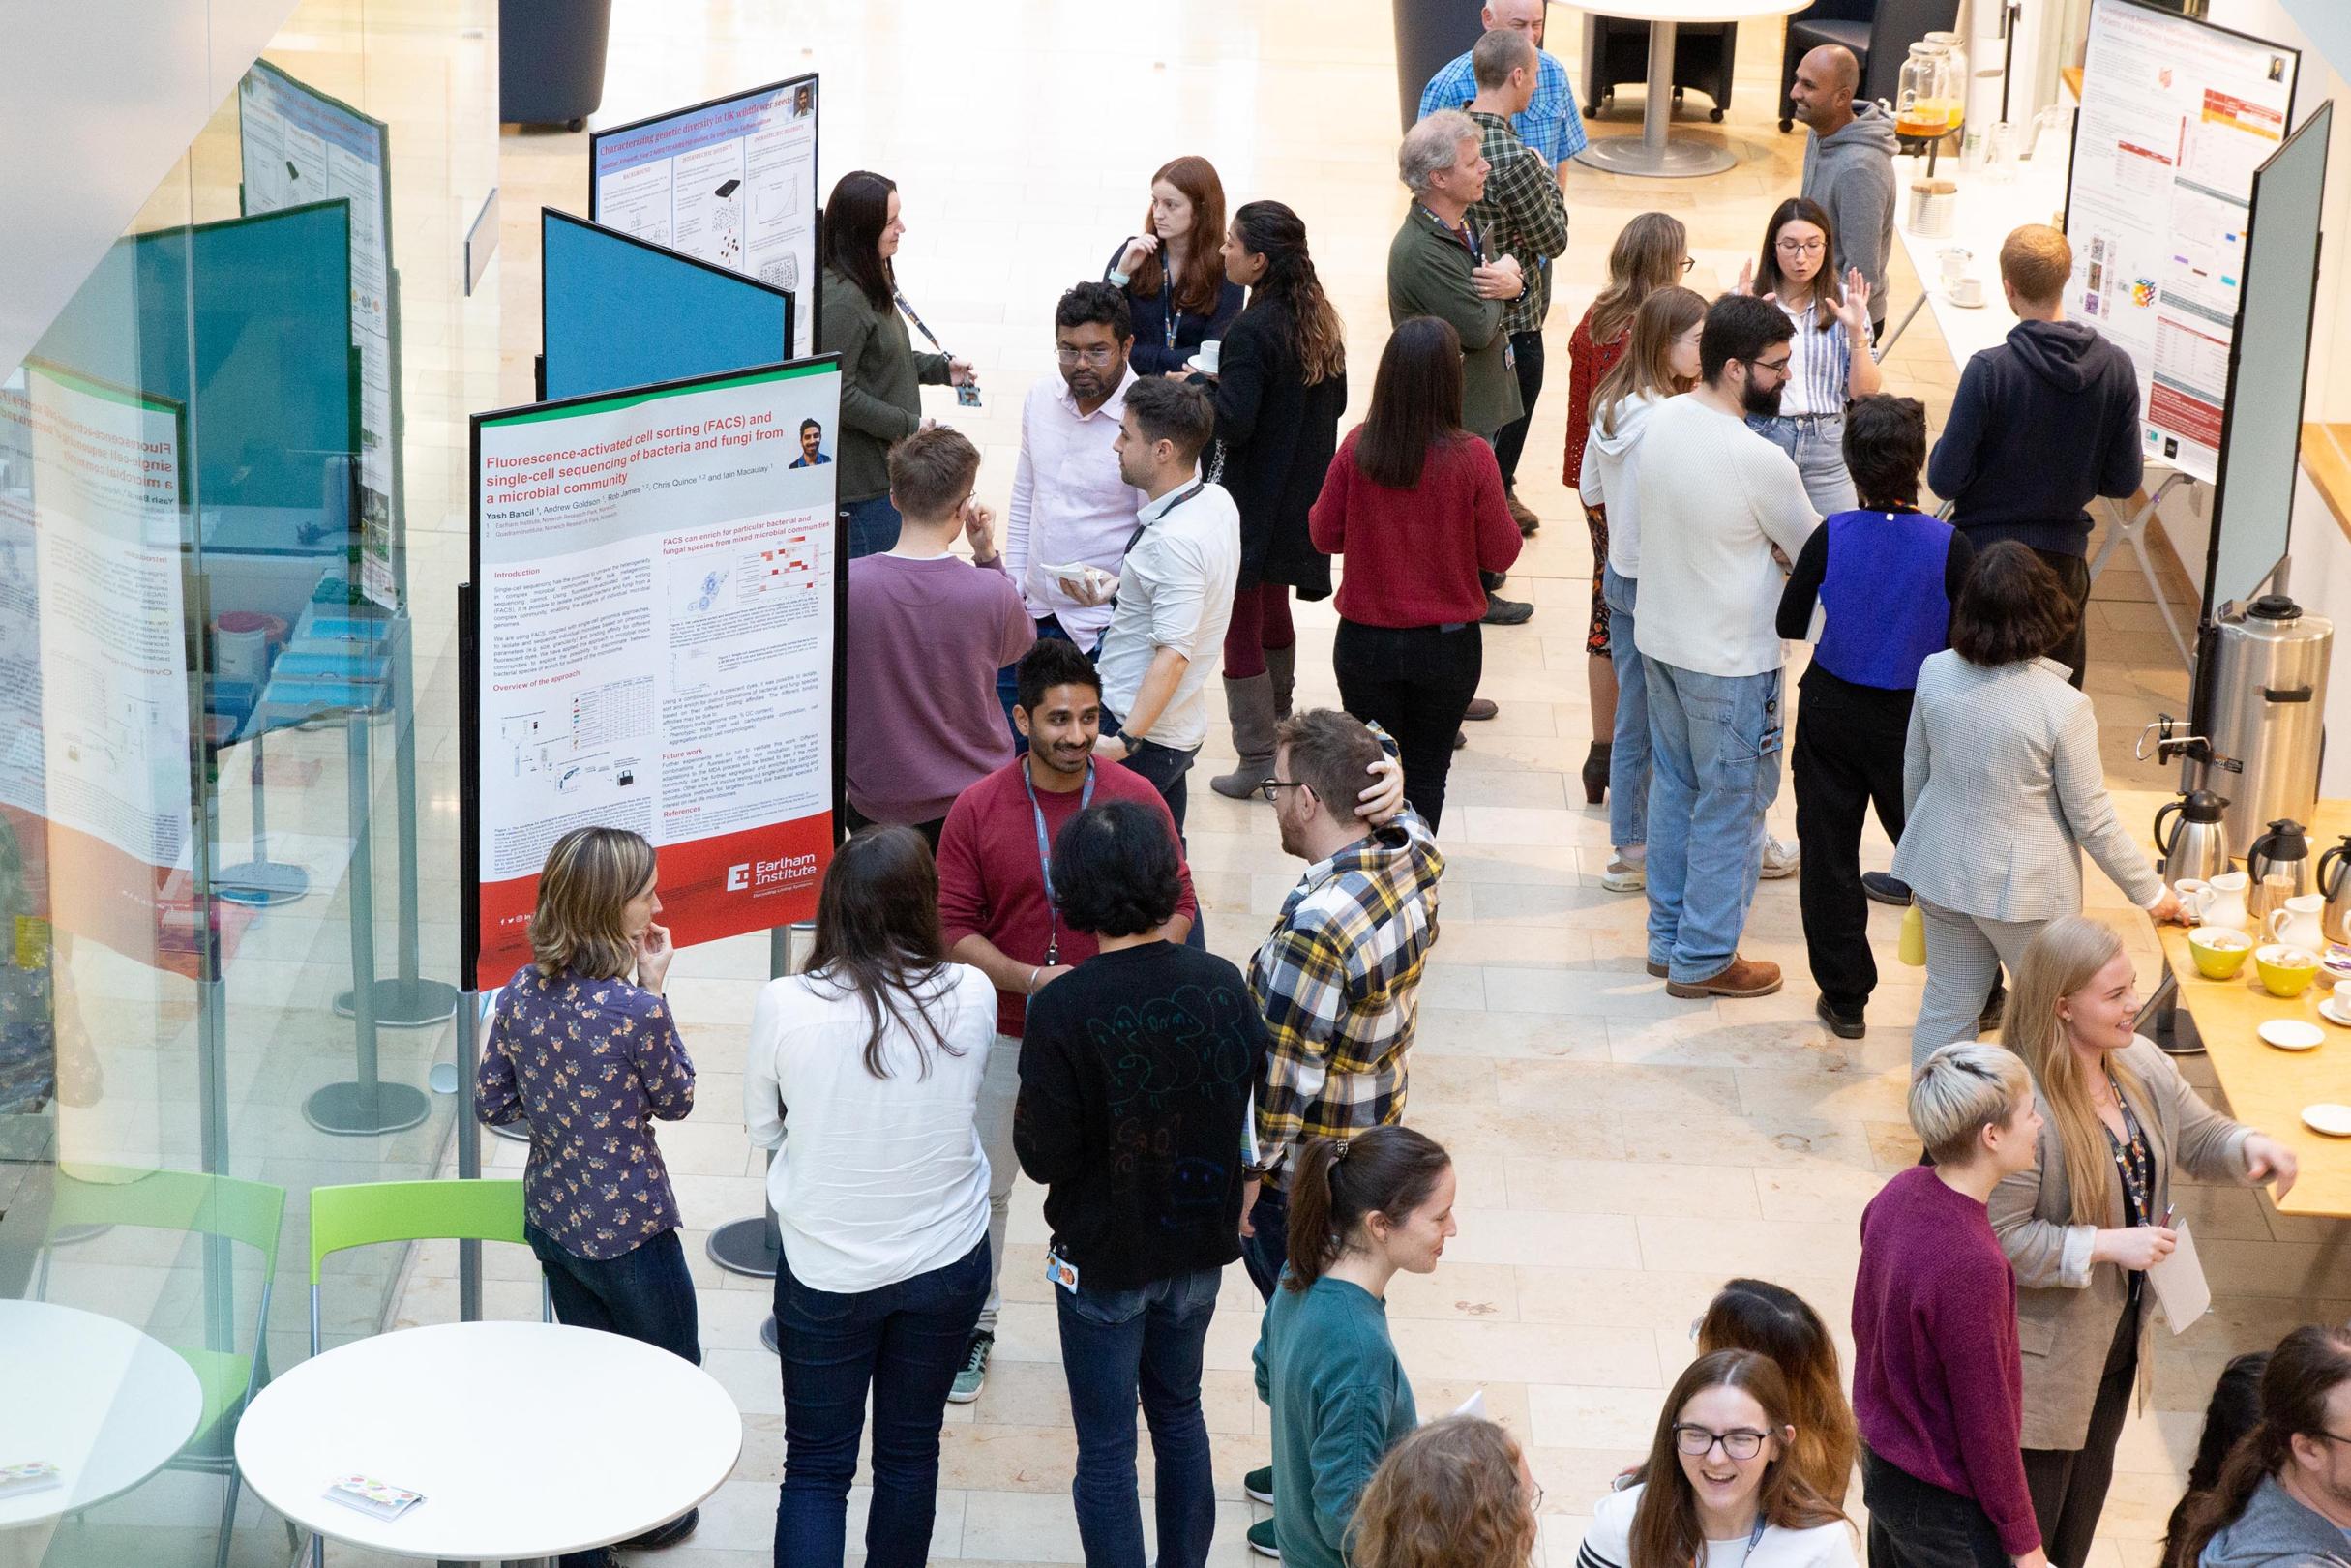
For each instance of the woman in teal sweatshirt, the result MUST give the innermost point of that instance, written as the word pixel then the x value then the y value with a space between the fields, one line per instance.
pixel 1360 1209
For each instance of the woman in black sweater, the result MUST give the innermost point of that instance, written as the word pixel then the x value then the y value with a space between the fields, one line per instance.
pixel 1279 387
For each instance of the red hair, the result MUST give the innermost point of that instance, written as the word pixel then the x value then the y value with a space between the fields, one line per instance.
pixel 1201 272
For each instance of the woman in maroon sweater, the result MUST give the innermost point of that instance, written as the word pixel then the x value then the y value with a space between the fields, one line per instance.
pixel 1414 503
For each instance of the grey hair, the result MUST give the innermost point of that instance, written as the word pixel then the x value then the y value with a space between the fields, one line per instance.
pixel 1962 1090
pixel 1433 146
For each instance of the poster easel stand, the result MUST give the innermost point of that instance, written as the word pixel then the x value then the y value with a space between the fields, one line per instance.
pixel 2132 530
pixel 752 1245
pixel 260 883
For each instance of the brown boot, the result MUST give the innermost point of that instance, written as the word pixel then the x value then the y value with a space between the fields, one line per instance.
pixel 1524 515
pixel 1744 977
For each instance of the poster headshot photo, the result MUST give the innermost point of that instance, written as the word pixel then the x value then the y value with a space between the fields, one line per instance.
pixel 811 446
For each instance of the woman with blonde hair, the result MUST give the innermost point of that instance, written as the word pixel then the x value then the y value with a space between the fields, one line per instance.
pixel 1455 1493
pixel 1651 252
pixel 1718 1485
pixel 1172 272
pixel 2083 1225
pixel 1662 362
pixel 1774 1321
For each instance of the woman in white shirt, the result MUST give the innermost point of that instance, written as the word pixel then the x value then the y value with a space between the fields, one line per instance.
pixel 1661 361
pixel 1717 1490
pixel 1828 363
pixel 864 1076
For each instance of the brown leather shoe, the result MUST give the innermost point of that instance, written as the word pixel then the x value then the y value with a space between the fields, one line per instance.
pixel 1744 977
pixel 1482 707
pixel 1659 971
pixel 1524 515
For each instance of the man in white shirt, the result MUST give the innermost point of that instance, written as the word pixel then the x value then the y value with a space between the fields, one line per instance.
pixel 1175 590
pixel 1722 511
pixel 1069 505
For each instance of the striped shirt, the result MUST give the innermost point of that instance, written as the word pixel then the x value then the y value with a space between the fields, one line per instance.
pixel 1338 979
pixel 1819 361
pixel 1549 123
pixel 1608 1541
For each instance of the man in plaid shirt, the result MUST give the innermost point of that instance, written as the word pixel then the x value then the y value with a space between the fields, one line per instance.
pixel 1549 123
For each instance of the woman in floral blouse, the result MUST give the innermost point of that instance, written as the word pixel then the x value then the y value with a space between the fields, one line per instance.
pixel 589 1058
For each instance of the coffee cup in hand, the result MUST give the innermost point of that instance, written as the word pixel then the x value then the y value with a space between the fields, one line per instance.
pixel 1203 358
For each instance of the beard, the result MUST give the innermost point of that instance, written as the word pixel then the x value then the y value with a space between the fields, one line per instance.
pixel 1762 404
pixel 1293 841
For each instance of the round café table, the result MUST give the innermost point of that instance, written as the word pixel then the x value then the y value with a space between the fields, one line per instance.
pixel 1656 153
pixel 601 1438
pixel 91 1395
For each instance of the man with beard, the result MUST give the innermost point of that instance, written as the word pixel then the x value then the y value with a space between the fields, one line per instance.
pixel 1722 513
pixel 1070 506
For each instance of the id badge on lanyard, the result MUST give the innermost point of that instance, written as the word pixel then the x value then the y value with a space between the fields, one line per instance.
pixel 1086 798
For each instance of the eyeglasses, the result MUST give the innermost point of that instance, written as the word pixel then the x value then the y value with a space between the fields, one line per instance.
pixel 1778 367
pixel 1534 1504
pixel 1739 1442
pixel 2330 1436
pixel 1272 789
pixel 1687 262
pixel 1803 247
pixel 1099 356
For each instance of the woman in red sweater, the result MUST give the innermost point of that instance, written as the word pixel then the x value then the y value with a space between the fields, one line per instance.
pixel 1652 252
pixel 1414 503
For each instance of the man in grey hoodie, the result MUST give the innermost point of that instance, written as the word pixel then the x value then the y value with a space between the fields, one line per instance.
pixel 2283 1499
pixel 1849 166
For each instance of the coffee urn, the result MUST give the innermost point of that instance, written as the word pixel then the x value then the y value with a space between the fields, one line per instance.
pixel 2265 709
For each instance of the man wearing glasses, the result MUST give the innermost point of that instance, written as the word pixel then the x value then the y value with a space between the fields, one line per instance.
pixel 1070 507
pixel 1722 513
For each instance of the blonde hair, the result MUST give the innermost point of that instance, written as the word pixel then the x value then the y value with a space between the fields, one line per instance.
pixel 590 876
pixel 1646 368
pixel 1448 1495
pixel 2064 957
pixel 1646 256
pixel 2035 260
pixel 1962 1090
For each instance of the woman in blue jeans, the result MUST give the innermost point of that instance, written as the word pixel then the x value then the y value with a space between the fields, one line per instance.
pixel 1829 362
pixel 582 1040
pixel 864 1076
pixel 1136 1077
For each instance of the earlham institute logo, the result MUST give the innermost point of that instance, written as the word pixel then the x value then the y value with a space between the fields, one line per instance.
pixel 747 876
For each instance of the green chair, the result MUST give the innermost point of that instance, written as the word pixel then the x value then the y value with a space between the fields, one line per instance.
pixel 250 1212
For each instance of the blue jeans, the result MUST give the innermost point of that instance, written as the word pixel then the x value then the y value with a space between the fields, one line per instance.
pixel 872 526
pixel 1116 1344
pixel 1629 751
pixel 1714 771
pixel 1265 1252
pixel 904 1342
pixel 646 1294
pixel 1817 444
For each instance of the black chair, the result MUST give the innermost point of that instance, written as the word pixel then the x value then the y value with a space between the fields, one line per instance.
pixel 1616 51
pixel 1878 32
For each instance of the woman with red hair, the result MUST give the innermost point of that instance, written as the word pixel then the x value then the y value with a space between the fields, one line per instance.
pixel 1174 272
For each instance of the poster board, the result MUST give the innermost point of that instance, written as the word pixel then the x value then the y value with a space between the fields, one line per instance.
pixel 616 312
pixel 652 643
pixel 732 182
pixel 301 146
pixel 2176 116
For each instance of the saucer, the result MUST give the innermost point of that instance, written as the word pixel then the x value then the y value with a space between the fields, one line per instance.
pixel 1196 369
pixel 1949 298
pixel 2333 1014
pixel 2293 1034
pixel 2331 1120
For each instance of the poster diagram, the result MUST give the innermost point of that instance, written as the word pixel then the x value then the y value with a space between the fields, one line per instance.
pixel 731 182
pixel 2176 116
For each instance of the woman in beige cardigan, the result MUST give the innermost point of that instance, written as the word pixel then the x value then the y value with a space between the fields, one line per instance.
pixel 2082 1227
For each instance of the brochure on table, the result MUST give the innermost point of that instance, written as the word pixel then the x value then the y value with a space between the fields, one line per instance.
pixel 733 181
pixel 2176 116
pixel 655 616
pixel 301 146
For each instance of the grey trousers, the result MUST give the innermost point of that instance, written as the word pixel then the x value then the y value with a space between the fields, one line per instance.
pixel 1964 953
pixel 999 1092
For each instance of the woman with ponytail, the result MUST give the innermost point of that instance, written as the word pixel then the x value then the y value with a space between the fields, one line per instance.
pixel 1280 386
pixel 2284 1494
pixel 1361 1209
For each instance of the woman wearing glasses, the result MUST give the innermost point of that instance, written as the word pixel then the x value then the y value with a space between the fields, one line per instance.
pixel 1716 1490
pixel 1829 363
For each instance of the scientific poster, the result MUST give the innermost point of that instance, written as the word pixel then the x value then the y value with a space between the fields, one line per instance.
pixel 2176 115
pixel 731 182
pixel 301 146
pixel 655 595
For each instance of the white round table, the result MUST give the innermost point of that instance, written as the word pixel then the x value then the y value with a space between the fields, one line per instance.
pixel 91 1395
pixel 1656 153
pixel 598 1438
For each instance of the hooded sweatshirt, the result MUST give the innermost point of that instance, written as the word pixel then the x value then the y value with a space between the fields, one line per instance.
pixel 1610 478
pixel 1851 173
pixel 2039 425
pixel 2276 1531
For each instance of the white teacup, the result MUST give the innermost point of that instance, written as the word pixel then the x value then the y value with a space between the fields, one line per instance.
pixel 1967 290
pixel 2342 998
pixel 1205 356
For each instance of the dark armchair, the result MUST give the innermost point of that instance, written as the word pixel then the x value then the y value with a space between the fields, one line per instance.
pixel 1616 51
pixel 1878 32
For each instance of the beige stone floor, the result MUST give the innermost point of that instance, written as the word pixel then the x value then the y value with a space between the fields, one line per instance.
pixel 1622 1152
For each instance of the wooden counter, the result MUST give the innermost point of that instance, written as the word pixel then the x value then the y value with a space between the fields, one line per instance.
pixel 2326 457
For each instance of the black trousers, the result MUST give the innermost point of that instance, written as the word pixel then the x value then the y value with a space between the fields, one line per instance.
pixel 2075 572
pixel 1416 683
pixel 1915 1524
pixel 1527 348
pixel 1848 759
pixel 2068 1485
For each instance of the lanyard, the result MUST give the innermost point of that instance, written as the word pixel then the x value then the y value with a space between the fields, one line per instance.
pixel 1466 236
pixel 928 334
pixel 1167 291
pixel 1086 798
pixel 2128 1152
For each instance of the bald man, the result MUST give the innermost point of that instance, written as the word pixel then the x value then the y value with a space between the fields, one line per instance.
pixel 1848 165
pixel 1549 123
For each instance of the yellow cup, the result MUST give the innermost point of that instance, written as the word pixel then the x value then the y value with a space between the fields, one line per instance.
pixel 2220 952
pixel 2285 971
pixel 1912 947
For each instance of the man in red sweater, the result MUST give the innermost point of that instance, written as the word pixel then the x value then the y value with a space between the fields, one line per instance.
pixel 1938 1386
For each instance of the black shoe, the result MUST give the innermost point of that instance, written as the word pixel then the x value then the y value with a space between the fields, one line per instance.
pixel 1500 611
pixel 670 1534
pixel 1884 887
pixel 1841 1026
pixel 1995 1006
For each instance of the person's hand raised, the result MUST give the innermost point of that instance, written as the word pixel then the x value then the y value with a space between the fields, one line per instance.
pixel 653 955
pixel 1137 247
pixel 1854 311
pixel 979 526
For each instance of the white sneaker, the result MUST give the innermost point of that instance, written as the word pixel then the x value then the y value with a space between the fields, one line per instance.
pixel 1780 858
pixel 1625 875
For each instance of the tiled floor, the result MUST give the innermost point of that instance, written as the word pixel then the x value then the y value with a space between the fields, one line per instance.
pixel 1621 1153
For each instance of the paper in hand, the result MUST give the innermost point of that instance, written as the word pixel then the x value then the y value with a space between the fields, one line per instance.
pixel 1474 1406
pixel 2179 1285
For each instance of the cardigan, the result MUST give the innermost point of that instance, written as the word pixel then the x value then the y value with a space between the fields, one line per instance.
pixel 2066 1305
pixel 1278 435
pixel 1588 364
pixel 1413 556
pixel 880 375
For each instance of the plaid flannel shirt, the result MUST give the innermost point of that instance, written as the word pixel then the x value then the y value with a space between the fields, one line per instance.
pixel 1522 214
pixel 1550 123
pixel 1338 979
